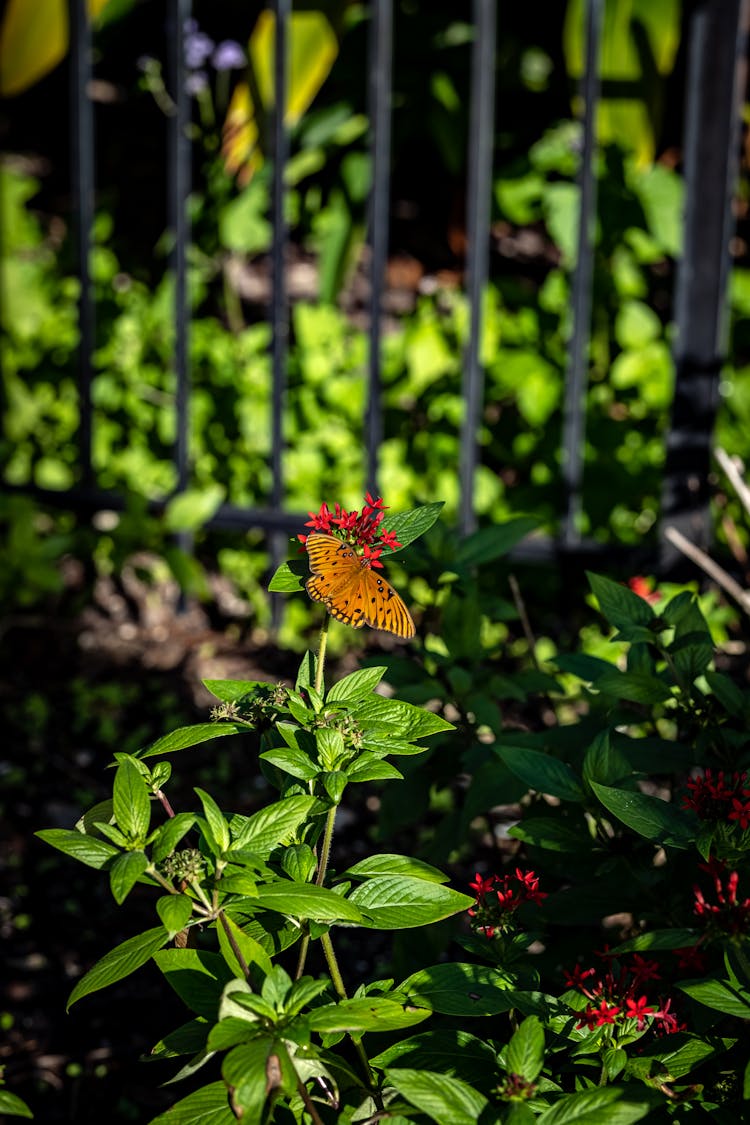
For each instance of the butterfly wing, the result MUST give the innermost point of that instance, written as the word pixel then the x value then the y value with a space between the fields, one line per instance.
pixel 351 590
pixel 336 571
pixel 384 608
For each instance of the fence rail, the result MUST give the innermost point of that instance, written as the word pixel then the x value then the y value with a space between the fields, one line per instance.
pixel 715 85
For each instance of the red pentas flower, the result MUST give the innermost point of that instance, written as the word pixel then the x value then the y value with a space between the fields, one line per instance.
pixel 728 915
pixel 499 897
pixel 719 797
pixel 361 529
pixel 643 588
pixel 616 994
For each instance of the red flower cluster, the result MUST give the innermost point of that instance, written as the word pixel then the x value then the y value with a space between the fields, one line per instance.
pixel 643 588
pixel 727 915
pixel 361 529
pixel 617 995
pixel 497 900
pixel 720 797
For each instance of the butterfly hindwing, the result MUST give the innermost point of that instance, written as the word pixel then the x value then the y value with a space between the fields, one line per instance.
pixel 351 590
pixel 385 609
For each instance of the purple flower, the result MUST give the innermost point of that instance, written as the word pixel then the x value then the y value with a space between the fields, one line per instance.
pixel 196 82
pixel 198 48
pixel 228 56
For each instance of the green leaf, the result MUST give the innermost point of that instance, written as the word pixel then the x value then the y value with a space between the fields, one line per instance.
pixel 399 902
pixel 175 912
pixel 370 767
pixel 542 772
pixel 389 864
pixel 446 1050
pixel 366 1014
pixel 672 1058
pixel 729 695
pixel 192 736
pixel 252 952
pixel 232 691
pixel 408 526
pixel 455 989
pixel 187 1039
pixel 170 834
pixel 619 605
pixel 580 664
pixel 397 717
pixel 289 577
pixel 197 976
pixel 130 801
pixel 720 995
pixel 120 962
pixel 554 835
pixel 207 1106
pixel 446 1100
pixel 291 761
pixel 305 900
pixel 218 827
pixel 125 873
pixel 13 1105
pixel 658 939
pixel 191 509
pixel 492 542
pixel 524 1054
pixel 607 1105
pixel 603 762
pixel 274 825
pixel 86 849
pixel 637 687
pixel 648 816
pixel 357 685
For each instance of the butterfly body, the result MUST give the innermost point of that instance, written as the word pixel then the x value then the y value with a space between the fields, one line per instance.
pixel 351 590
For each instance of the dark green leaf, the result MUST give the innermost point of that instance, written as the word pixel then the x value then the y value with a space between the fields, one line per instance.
pixel 365 1014
pixel 524 1054
pixel 491 542
pixel 542 772
pixel 398 902
pixel 218 827
pixel 732 699
pixel 130 801
pixel 619 605
pixel 231 939
pixel 120 962
pixel 554 835
pixel 408 526
pixel 454 989
pixel 197 976
pixel 207 1106
pixel 396 865
pixel 231 691
pixel 86 849
pixel 274 825
pixel 445 1100
pixel 304 900
pixel 637 687
pixel 446 1050
pixel 720 995
pixel 13 1105
pixel 125 873
pixel 192 736
pixel 587 668
pixel 170 835
pixel 648 816
pixel 291 761
pixel 174 911
pixel 187 1039
pixel 289 577
pixel 607 1105
pixel 356 685
pixel 658 939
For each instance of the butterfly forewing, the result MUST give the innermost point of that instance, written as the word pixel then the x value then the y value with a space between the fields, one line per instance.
pixel 352 591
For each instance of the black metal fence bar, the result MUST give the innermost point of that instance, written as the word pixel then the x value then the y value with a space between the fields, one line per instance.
pixel 574 411
pixel 715 87
pixel 279 321
pixel 82 153
pixel 380 52
pixel 479 196
pixel 178 189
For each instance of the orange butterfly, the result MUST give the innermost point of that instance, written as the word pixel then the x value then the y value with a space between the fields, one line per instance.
pixel 351 590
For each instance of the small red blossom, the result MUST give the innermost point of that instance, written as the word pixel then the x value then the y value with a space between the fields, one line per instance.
pixel 740 812
pixel 638 1010
pixel 644 969
pixel 692 959
pixel 576 978
pixel 727 915
pixel 643 588
pixel 361 529
pixel 667 1021
pixel 598 1017
pixel 719 797
pixel 498 898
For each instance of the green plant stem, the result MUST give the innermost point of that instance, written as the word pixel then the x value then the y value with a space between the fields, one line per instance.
pixel 340 988
pixel 309 1105
pixel 304 946
pixel 321 655
pixel 325 847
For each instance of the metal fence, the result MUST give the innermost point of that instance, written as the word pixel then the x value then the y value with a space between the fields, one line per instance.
pixel 717 32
